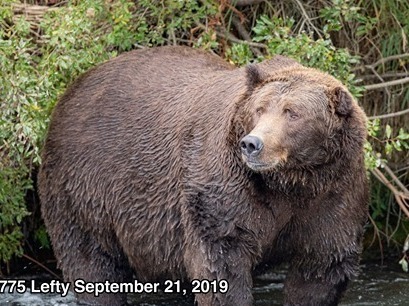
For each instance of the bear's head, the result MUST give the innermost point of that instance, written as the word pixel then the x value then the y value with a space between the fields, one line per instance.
pixel 298 118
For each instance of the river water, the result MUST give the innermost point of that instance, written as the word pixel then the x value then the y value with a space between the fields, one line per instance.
pixel 377 285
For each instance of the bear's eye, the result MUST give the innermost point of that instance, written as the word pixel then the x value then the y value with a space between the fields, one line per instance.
pixel 259 111
pixel 292 115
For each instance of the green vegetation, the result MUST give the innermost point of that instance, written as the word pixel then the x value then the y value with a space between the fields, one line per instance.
pixel 364 44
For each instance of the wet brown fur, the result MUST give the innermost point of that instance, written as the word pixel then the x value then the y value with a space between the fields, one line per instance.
pixel 142 174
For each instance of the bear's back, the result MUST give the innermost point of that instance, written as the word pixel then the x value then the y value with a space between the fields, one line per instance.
pixel 135 99
pixel 124 125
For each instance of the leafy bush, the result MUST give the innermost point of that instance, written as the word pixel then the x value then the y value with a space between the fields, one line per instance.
pixel 38 60
pixel 35 70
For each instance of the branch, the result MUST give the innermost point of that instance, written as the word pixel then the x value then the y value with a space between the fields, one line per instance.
pixel 233 38
pixel 245 2
pixel 376 235
pixel 402 198
pixel 245 35
pixel 307 18
pixel 383 76
pixel 390 115
pixel 388 58
pixel 42 266
pixel 386 84
pixel 383 61
pixel 32 13
pixel 395 178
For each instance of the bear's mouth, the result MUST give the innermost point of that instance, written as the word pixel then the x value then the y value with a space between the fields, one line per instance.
pixel 259 166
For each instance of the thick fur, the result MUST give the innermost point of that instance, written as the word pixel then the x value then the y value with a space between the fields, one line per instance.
pixel 143 176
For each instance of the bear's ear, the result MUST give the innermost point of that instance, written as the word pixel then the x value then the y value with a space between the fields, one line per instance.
pixel 258 73
pixel 342 101
pixel 255 76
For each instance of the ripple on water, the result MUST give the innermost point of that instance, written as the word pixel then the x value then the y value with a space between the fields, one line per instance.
pixel 376 286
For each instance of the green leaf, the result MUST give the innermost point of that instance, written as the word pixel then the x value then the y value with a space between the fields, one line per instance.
pixel 404 263
pixel 388 131
pixel 388 148
pixel 402 134
pixel 397 145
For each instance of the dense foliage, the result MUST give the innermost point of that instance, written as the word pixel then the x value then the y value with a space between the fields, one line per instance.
pixel 44 48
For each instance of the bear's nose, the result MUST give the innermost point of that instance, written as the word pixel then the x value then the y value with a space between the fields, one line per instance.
pixel 251 145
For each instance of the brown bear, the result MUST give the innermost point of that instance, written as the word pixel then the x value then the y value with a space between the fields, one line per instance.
pixel 170 164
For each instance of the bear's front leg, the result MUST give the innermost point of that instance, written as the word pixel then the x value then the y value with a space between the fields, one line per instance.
pixel 318 284
pixel 212 262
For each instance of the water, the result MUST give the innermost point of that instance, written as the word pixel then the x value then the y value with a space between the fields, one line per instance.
pixel 376 285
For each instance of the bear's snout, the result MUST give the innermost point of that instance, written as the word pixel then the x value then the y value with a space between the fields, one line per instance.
pixel 251 145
